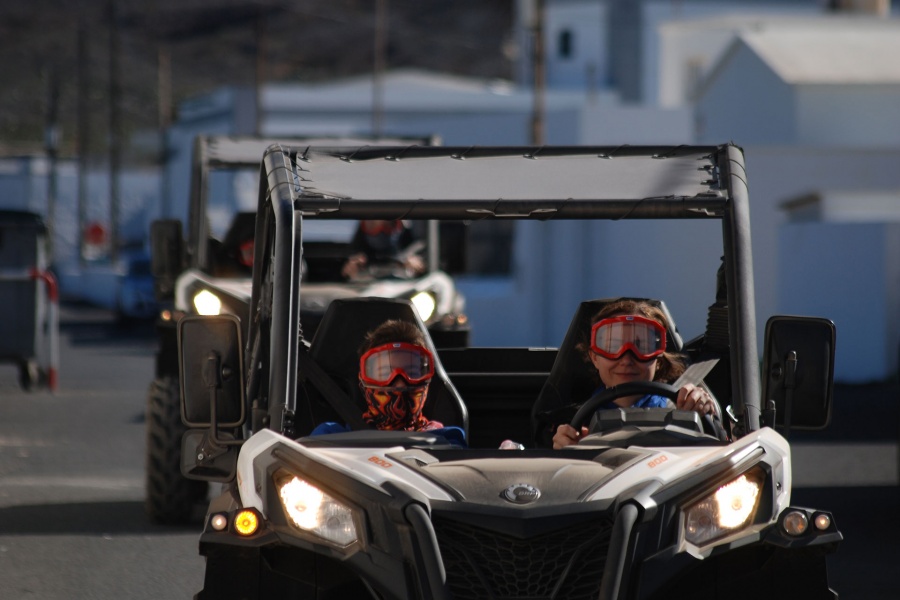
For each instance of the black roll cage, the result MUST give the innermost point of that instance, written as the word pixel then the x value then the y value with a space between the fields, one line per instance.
pixel 290 189
pixel 220 152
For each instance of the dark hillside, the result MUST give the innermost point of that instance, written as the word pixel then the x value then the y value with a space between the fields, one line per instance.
pixel 210 43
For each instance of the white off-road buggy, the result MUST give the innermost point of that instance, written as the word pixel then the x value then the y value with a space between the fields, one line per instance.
pixel 207 269
pixel 654 503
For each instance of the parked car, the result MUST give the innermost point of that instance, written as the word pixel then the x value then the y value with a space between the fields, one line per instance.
pixel 135 295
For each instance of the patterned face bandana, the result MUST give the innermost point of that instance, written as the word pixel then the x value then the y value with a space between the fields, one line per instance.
pixel 396 408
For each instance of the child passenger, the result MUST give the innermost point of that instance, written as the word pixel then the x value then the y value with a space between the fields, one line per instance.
pixel 395 369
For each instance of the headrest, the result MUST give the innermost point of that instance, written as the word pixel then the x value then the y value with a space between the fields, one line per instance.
pixel 335 345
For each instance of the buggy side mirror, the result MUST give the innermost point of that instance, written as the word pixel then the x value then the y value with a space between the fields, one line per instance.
pixel 798 372
pixel 211 369
pixel 166 255
pixel 212 395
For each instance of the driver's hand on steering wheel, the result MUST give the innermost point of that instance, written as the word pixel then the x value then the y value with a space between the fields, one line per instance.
pixel 353 265
pixel 566 435
pixel 414 264
pixel 694 398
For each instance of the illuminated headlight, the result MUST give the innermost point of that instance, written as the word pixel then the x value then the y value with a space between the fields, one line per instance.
pixel 310 509
pixel 207 303
pixel 725 511
pixel 425 304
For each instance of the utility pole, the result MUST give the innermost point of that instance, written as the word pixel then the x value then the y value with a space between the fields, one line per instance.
pixel 380 51
pixel 164 100
pixel 84 127
pixel 538 72
pixel 260 74
pixel 52 147
pixel 115 133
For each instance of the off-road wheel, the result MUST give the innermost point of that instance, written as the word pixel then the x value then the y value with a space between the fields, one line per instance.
pixel 171 497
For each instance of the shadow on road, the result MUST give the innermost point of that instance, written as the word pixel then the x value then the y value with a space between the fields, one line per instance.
pixel 865 412
pixel 86 325
pixel 86 518
pixel 865 564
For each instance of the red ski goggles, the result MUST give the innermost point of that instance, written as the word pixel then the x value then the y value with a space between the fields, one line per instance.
pixel 375 227
pixel 379 366
pixel 614 336
pixel 245 253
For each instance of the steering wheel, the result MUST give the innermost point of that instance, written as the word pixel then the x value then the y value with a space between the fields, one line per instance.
pixel 390 268
pixel 634 388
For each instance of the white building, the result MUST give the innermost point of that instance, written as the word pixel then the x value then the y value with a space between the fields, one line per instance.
pixel 822 82
pixel 621 44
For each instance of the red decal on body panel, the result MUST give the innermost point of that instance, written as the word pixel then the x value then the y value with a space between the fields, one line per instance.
pixel 380 462
pixel 657 461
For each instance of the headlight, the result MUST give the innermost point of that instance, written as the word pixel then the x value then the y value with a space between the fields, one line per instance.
pixel 725 511
pixel 425 304
pixel 310 509
pixel 207 303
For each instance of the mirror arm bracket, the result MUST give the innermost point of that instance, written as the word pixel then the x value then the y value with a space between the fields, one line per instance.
pixel 790 382
pixel 788 369
pixel 210 448
pixel 768 416
pixel 212 445
pixel 288 423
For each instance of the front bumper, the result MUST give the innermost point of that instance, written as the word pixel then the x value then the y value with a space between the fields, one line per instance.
pixel 449 555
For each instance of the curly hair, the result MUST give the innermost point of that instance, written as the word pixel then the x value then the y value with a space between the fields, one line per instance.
pixel 670 365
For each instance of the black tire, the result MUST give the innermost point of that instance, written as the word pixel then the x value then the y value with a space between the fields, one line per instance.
pixel 171 497
pixel 29 375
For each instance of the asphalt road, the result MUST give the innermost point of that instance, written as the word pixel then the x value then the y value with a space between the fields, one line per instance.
pixel 851 469
pixel 72 524
pixel 71 480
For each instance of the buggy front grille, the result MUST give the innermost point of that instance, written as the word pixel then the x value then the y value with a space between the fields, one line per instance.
pixel 565 564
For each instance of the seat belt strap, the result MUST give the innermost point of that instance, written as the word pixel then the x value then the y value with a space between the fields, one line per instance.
pixel 336 397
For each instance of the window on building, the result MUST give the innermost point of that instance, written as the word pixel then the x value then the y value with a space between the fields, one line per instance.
pixel 477 247
pixel 565 45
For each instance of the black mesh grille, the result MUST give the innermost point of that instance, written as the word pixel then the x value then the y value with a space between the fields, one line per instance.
pixel 565 564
